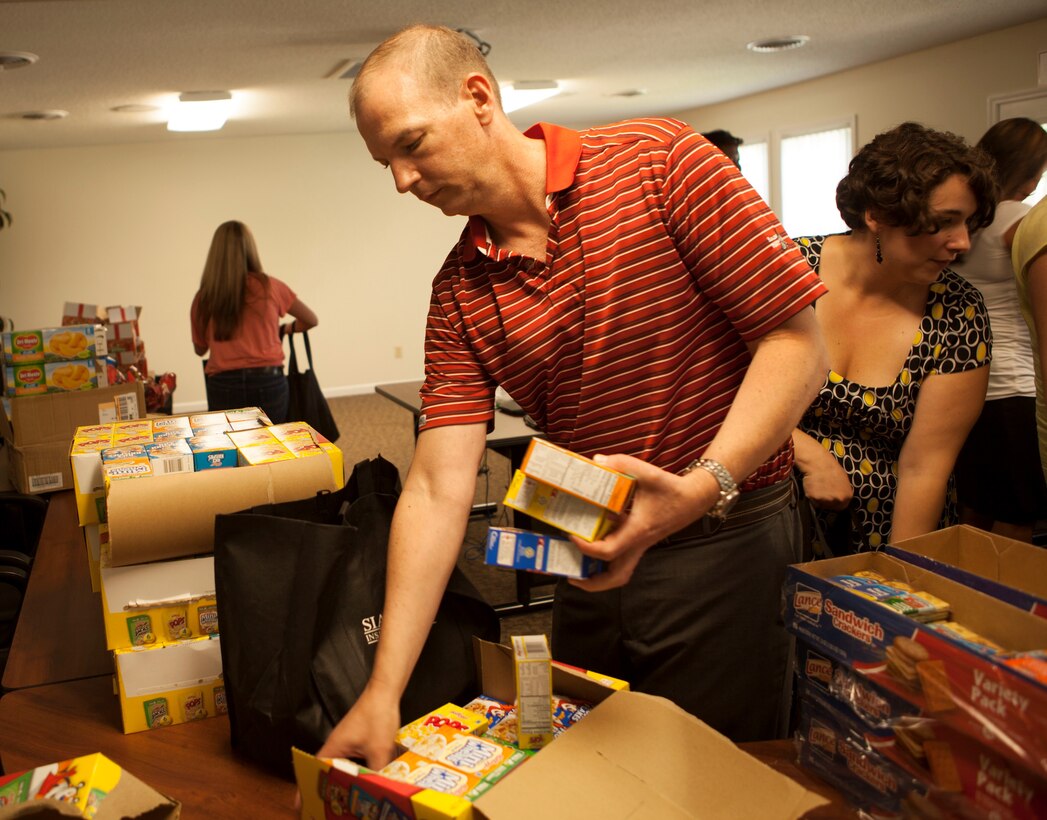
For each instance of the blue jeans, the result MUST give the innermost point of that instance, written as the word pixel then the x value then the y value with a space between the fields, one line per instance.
pixel 264 387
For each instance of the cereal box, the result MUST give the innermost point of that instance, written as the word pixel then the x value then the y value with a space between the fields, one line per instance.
pixel 558 508
pixel 534 691
pixel 538 552
pixel 581 477
pixel 455 717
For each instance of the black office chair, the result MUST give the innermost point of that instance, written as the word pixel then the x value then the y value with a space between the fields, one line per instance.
pixel 21 521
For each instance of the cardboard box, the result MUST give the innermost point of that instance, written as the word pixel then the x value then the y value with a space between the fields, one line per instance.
pixel 538 552
pixel 171 683
pixel 158 602
pixel 1010 570
pixel 40 468
pixel 92 786
pixel 151 519
pixel 635 756
pixel 53 418
pixel 975 693
pixel 581 477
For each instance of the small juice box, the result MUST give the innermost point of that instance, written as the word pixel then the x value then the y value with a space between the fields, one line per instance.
pixel 534 691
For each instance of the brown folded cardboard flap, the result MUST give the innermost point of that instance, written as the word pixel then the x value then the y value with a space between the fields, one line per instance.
pixel 173 516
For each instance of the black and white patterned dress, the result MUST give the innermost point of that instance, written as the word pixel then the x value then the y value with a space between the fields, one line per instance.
pixel 865 427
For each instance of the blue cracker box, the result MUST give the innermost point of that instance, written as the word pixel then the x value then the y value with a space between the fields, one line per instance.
pixel 957 773
pixel 977 694
pixel 830 748
pixel 1010 570
pixel 211 452
pixel 538 552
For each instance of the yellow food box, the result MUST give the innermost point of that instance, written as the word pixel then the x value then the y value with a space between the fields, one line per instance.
pixel 126 468
pixel 534 691
pixel 249 436
pixel 81 783
pixel 449 715
pixel 264 453
pixel 575 474
pixel 558 508
pixel 423 773
pixel 159 602
pixel 170 683
pixel 170 456
pixel 131 427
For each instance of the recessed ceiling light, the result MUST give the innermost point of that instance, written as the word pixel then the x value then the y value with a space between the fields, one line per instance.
pixel 527 92
pixel 200 111
pixel 135 108
pixel 47 114
pixel 10 60
pixel 772 44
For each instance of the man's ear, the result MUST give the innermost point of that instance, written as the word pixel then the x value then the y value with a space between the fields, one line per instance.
pixel 477 89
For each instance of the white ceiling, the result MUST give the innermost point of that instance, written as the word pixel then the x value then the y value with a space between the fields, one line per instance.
pixel 278 56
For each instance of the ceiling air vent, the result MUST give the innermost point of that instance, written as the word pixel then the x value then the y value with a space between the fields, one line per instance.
pixel 49 114
pixel 773 44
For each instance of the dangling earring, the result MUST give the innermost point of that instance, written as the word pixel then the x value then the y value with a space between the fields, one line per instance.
pixel 879 253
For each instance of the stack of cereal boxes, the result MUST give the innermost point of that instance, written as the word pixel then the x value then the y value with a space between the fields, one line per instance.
pixel 568 492
pixel 918 695
pixel 161 616
pixel 54 360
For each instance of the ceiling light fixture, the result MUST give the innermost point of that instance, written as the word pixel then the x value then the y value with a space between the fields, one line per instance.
pixel 773 44
pixel 200 111
pixel 527 92
pixel 10 60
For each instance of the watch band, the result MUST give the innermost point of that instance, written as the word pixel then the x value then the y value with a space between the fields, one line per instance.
pixel 729 492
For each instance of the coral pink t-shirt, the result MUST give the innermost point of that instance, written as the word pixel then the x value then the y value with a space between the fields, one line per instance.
pixel 256 342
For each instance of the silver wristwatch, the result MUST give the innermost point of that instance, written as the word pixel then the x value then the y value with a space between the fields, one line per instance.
pixel 729 492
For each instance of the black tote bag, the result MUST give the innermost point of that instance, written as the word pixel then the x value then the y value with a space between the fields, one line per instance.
pixel 307 401
pixel 300 588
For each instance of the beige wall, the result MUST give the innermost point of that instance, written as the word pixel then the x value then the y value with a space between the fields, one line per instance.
pixel 946 88
pixel 131 224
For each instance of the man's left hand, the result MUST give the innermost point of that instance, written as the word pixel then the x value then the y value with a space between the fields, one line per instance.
pixel 663 503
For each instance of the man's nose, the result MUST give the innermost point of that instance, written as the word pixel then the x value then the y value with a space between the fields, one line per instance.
pixel 404 176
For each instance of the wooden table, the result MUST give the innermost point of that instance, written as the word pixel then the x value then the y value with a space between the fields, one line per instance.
pixel 189 762
pixel 60 634
pixel 194 763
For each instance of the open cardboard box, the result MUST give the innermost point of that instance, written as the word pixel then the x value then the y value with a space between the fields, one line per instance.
pixel 159 602
pixel 170 683
pixel 89 786
pixel 39 429
pixel 52 418
pixel 634 756
pixel 172 516
pixel 1010 570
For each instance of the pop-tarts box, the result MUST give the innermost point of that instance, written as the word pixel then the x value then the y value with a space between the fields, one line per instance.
pixel 210 452
pixel 977 693
pixel 538 552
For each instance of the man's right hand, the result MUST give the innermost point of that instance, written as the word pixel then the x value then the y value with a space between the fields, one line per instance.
pixel 368 730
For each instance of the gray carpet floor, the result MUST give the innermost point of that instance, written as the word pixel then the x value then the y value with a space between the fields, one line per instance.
pixel 372 425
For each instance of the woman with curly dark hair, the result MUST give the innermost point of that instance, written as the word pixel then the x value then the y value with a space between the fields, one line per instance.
pixel 908 339
pixel 235 317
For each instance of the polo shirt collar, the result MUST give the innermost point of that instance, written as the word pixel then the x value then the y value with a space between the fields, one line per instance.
pixel 563 149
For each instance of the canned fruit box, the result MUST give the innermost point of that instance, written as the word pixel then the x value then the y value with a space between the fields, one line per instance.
pixel 158 602
pixel 54 344
pixel 170 683
pixel 558 508
pixel 960 683
pixel 580 476
pixel 538 552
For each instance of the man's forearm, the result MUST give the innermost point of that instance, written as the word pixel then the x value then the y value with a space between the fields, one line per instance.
pixel 787 369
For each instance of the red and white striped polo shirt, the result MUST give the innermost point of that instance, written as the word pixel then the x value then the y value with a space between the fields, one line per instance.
pixel 630 336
